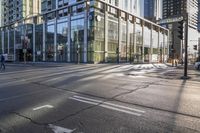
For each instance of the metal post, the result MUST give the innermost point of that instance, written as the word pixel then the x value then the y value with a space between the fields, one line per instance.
pixel 106 35
pixel 14 56
pixel 186 49
pixel 34 43
pixel 25 26
pixel 69 38
pixel 142 42
pixel 151 45
pixel 44 42
pixel 8 41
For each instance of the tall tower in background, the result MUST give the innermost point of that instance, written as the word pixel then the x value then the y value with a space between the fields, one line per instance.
pixel 1 13
pixel 153 9
pixel 15 10
pixel 134 6
pixel 177 8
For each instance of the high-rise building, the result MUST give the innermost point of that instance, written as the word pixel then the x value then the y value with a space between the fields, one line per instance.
pixel 1 15
pixel 153 9
pixel 177 8
pixel 198 15
pixel 15 10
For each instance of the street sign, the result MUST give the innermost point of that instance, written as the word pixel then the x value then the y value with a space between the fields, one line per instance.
pixel 170 20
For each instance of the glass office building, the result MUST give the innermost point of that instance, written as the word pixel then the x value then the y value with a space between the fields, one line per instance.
pixel 88 32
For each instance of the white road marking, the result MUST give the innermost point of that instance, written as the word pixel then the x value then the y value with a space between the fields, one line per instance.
pixel 58 129
pixel 111 104
pixel 108 105
pixel 41 107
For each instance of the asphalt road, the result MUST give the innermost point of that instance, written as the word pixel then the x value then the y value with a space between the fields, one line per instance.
pixel 102 98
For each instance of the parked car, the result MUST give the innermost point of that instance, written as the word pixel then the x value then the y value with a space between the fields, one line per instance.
pixel 197 65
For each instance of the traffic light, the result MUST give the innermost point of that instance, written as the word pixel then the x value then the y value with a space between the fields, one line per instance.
pixel 195 47
pixel 180 29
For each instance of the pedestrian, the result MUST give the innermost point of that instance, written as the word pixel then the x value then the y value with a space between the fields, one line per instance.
pixel 2 62
pixel 181 62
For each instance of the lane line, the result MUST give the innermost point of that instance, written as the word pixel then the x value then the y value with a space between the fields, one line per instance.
pixel 44 106
pixel 111 104
pixel 106 106
pixel 58 129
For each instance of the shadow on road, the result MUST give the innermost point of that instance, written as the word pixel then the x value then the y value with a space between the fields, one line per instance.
pixel 176 107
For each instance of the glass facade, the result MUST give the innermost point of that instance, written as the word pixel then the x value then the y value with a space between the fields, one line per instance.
pixel 39 42
pixel 83 33
pixel 113 38
pixel 62 40
pixel 50 37
pixel 1 42
pixel 77 38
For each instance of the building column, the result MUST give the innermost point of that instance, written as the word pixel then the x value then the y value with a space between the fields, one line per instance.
pixel 8 42
pixel 158 56
pixel 164 45
pixel 85 36
pixel 118 52
pixel 44 41
pixel 168 43
pixel 55 40
pixel 142 41
pixel 69 38
pixel 3 42
pixel 33 42
pixel 128 41
pixel 151 45
pixel 134 39
pixel 14 56
pixel 106 36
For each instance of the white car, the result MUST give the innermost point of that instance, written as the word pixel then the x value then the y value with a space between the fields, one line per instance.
pixel 197 65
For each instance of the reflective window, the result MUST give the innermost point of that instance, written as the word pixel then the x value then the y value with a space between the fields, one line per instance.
pixel 50 30
pixel 0 42
pixel 77 40
pixel 5 42
pixel 39 42
pixel 62 39
pixel 11 43
pixel 113 37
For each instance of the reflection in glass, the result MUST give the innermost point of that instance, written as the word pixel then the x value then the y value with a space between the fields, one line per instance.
pixel 77 40
pixel 1 42
pixel 39 42
pixel 113 37
pixel 50 42
pixel 62 39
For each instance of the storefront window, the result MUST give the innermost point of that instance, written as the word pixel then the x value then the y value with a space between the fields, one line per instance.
pixel 77 39
pixel 11 43
pixel 139 48
pixel 1 42
pixel 99 43
pixel 50 42
pixel 5 42
pixel 123 45
pixel 130 46
pixel 39 42
pixel 147 42
pixel 62 39
pixel 18 43
pixel 113 37
pixel 155 46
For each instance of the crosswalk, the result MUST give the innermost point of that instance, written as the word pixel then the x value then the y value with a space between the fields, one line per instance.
pixel 67 73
